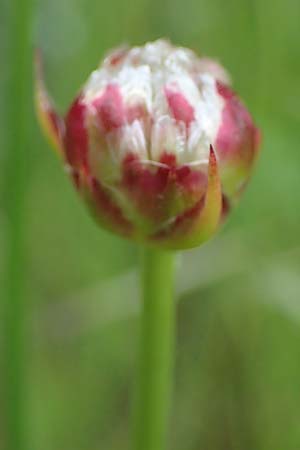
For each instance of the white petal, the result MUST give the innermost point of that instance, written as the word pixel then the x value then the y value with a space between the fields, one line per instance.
pixel 167 137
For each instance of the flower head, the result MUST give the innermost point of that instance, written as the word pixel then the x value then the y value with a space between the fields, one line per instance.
pixel 156 142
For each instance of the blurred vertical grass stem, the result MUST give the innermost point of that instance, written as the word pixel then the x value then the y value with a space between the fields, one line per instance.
pixel 17 101
pixel 156 350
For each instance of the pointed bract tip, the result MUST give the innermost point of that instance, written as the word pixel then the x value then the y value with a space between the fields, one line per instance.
pixel 51 122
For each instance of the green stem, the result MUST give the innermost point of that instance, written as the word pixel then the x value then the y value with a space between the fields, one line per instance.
pixel 156 352
pixel 18 99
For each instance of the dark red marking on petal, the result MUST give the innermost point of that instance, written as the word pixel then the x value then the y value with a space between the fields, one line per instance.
pixel 117 56
pixel 55 121
pixel 139 178
pixel 198 222
pixel 76 139
pixel 110 108
pixel 180 107
pixel 186 217
pixel 75 174
pixel 159 192
pixel 183 172
pixel 225 91
pixel 189 213
pixel 146 186
pixel 107 211
pixel 191 180
pixel 186 178
pixel 169 159
pixel 225 207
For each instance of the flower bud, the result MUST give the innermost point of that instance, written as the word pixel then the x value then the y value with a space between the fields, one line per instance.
pixel 156 142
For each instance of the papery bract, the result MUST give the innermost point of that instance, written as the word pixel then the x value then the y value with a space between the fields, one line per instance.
pixel 156 142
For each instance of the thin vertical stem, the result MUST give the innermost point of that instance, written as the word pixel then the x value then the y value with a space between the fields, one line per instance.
pixel 17 102
pixel 156 350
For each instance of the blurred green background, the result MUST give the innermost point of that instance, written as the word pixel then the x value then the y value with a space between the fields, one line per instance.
pixel 237 379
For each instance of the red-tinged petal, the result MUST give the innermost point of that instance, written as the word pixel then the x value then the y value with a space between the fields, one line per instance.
pixel 110 108
pixel 76 136
pixel 198 223
pixel 237 142
pixel 145 187
pixel 116 56
pixel 180 108
pixel 106 210
pixel 236 139
pixel 159 191
pixel 52 124
pixel 225 208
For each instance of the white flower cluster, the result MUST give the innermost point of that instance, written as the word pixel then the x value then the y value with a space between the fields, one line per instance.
pixel 174 96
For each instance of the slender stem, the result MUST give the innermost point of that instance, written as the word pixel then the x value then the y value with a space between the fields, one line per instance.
pixel 156 352
pixel 18 99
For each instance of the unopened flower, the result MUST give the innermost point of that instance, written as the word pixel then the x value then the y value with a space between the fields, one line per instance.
pixel 156 142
